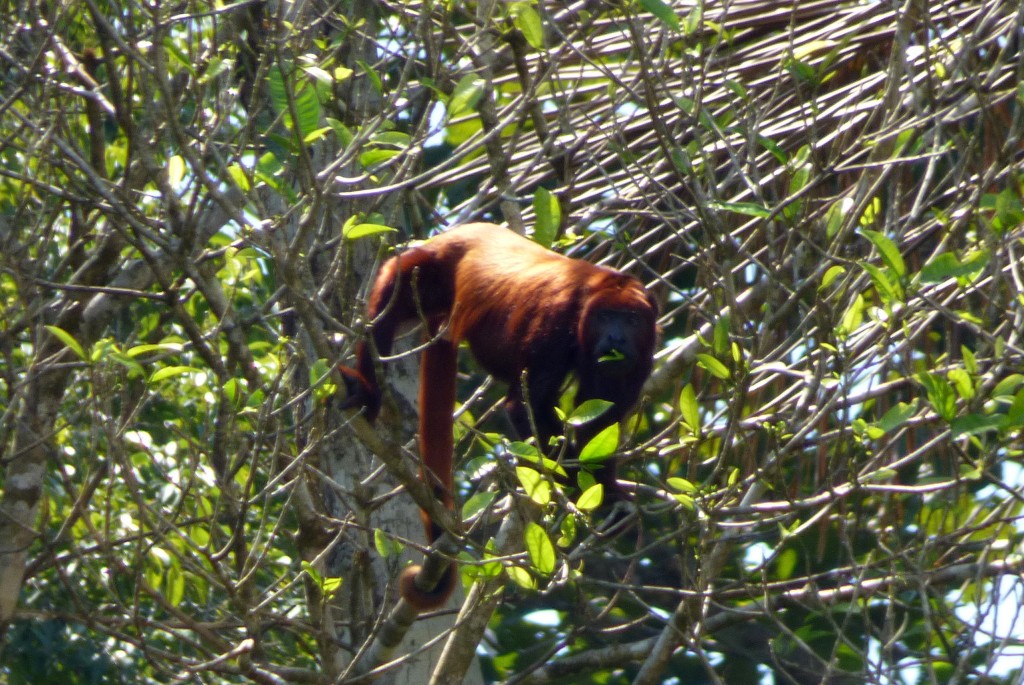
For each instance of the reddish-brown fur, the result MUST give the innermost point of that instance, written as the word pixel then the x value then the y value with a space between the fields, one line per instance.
pixel 521 308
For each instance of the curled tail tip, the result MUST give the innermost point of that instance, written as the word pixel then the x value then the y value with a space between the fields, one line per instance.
pixel 424 600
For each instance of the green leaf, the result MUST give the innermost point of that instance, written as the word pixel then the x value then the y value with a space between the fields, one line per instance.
pixel 767 143
pixel 887 249
pixel 521 577
pixel 962 382
pixel 175 170
pixel 387 546
pixel 602 446
pixel 173 46
pixel 313 574
pixel 524 450
pixel 307 109
pixel 270 165
pixel 947 265
pixel 357 231
pixel 976 424
pixel 862 427
pixel 871 212
pixel 216 67
pixel 591 498
pixel 713 366
pixel 802 71
pixel 836 216
pixel 198 535
pixel 331 585
pixel 681 161
pixel 549 217
pixel 341 132
pixel 694 19
pixel 465 96
pixel 1009 210
pixel 940 394
pixel 585 480
pixel 720 337
pixel 887 290
pixel 611 357
pixel 1015 414
pixel 316 134
pixel 970 361
pixel 68 340
pixel 233 390
pixel 320 380
pixel 526 19
pixel 744 208
pixel 853 317
pixel 682 485
pixel 169 372
pixel 303 100
pixel 688 408
pixel 396 138
pixel 319 74
pixel 534 485
pixel 940 267
pixel 370 72
pixel 268 170
pixel 831 275
pixel 174 582
pixel 903 140
pixel 686 501
pixel 539 547
pixel 377 156
pixel 663 12
pixel 457 133
pixel 240 178
pixel 896 416
pixel 568 530
pixel 1008 386
pixel 785 563
pixel 477 503
pixel 801 174
pixel 588 411
pixel 882 475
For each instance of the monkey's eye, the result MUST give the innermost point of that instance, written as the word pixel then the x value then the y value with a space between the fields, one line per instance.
pixel 606 316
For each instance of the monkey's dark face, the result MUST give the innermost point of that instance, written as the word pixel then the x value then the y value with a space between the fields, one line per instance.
pixel 616 338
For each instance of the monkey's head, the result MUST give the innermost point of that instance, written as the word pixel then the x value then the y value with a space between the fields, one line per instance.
pixel 618 327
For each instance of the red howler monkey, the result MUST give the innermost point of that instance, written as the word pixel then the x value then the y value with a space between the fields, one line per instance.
pixel 521 308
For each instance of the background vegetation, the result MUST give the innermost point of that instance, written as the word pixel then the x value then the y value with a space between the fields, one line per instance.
pixel 825 197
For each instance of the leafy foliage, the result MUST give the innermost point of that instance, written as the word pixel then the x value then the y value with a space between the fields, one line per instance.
pixel 825 197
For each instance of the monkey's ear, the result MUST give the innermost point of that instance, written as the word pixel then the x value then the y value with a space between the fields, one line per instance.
pixel 360 393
